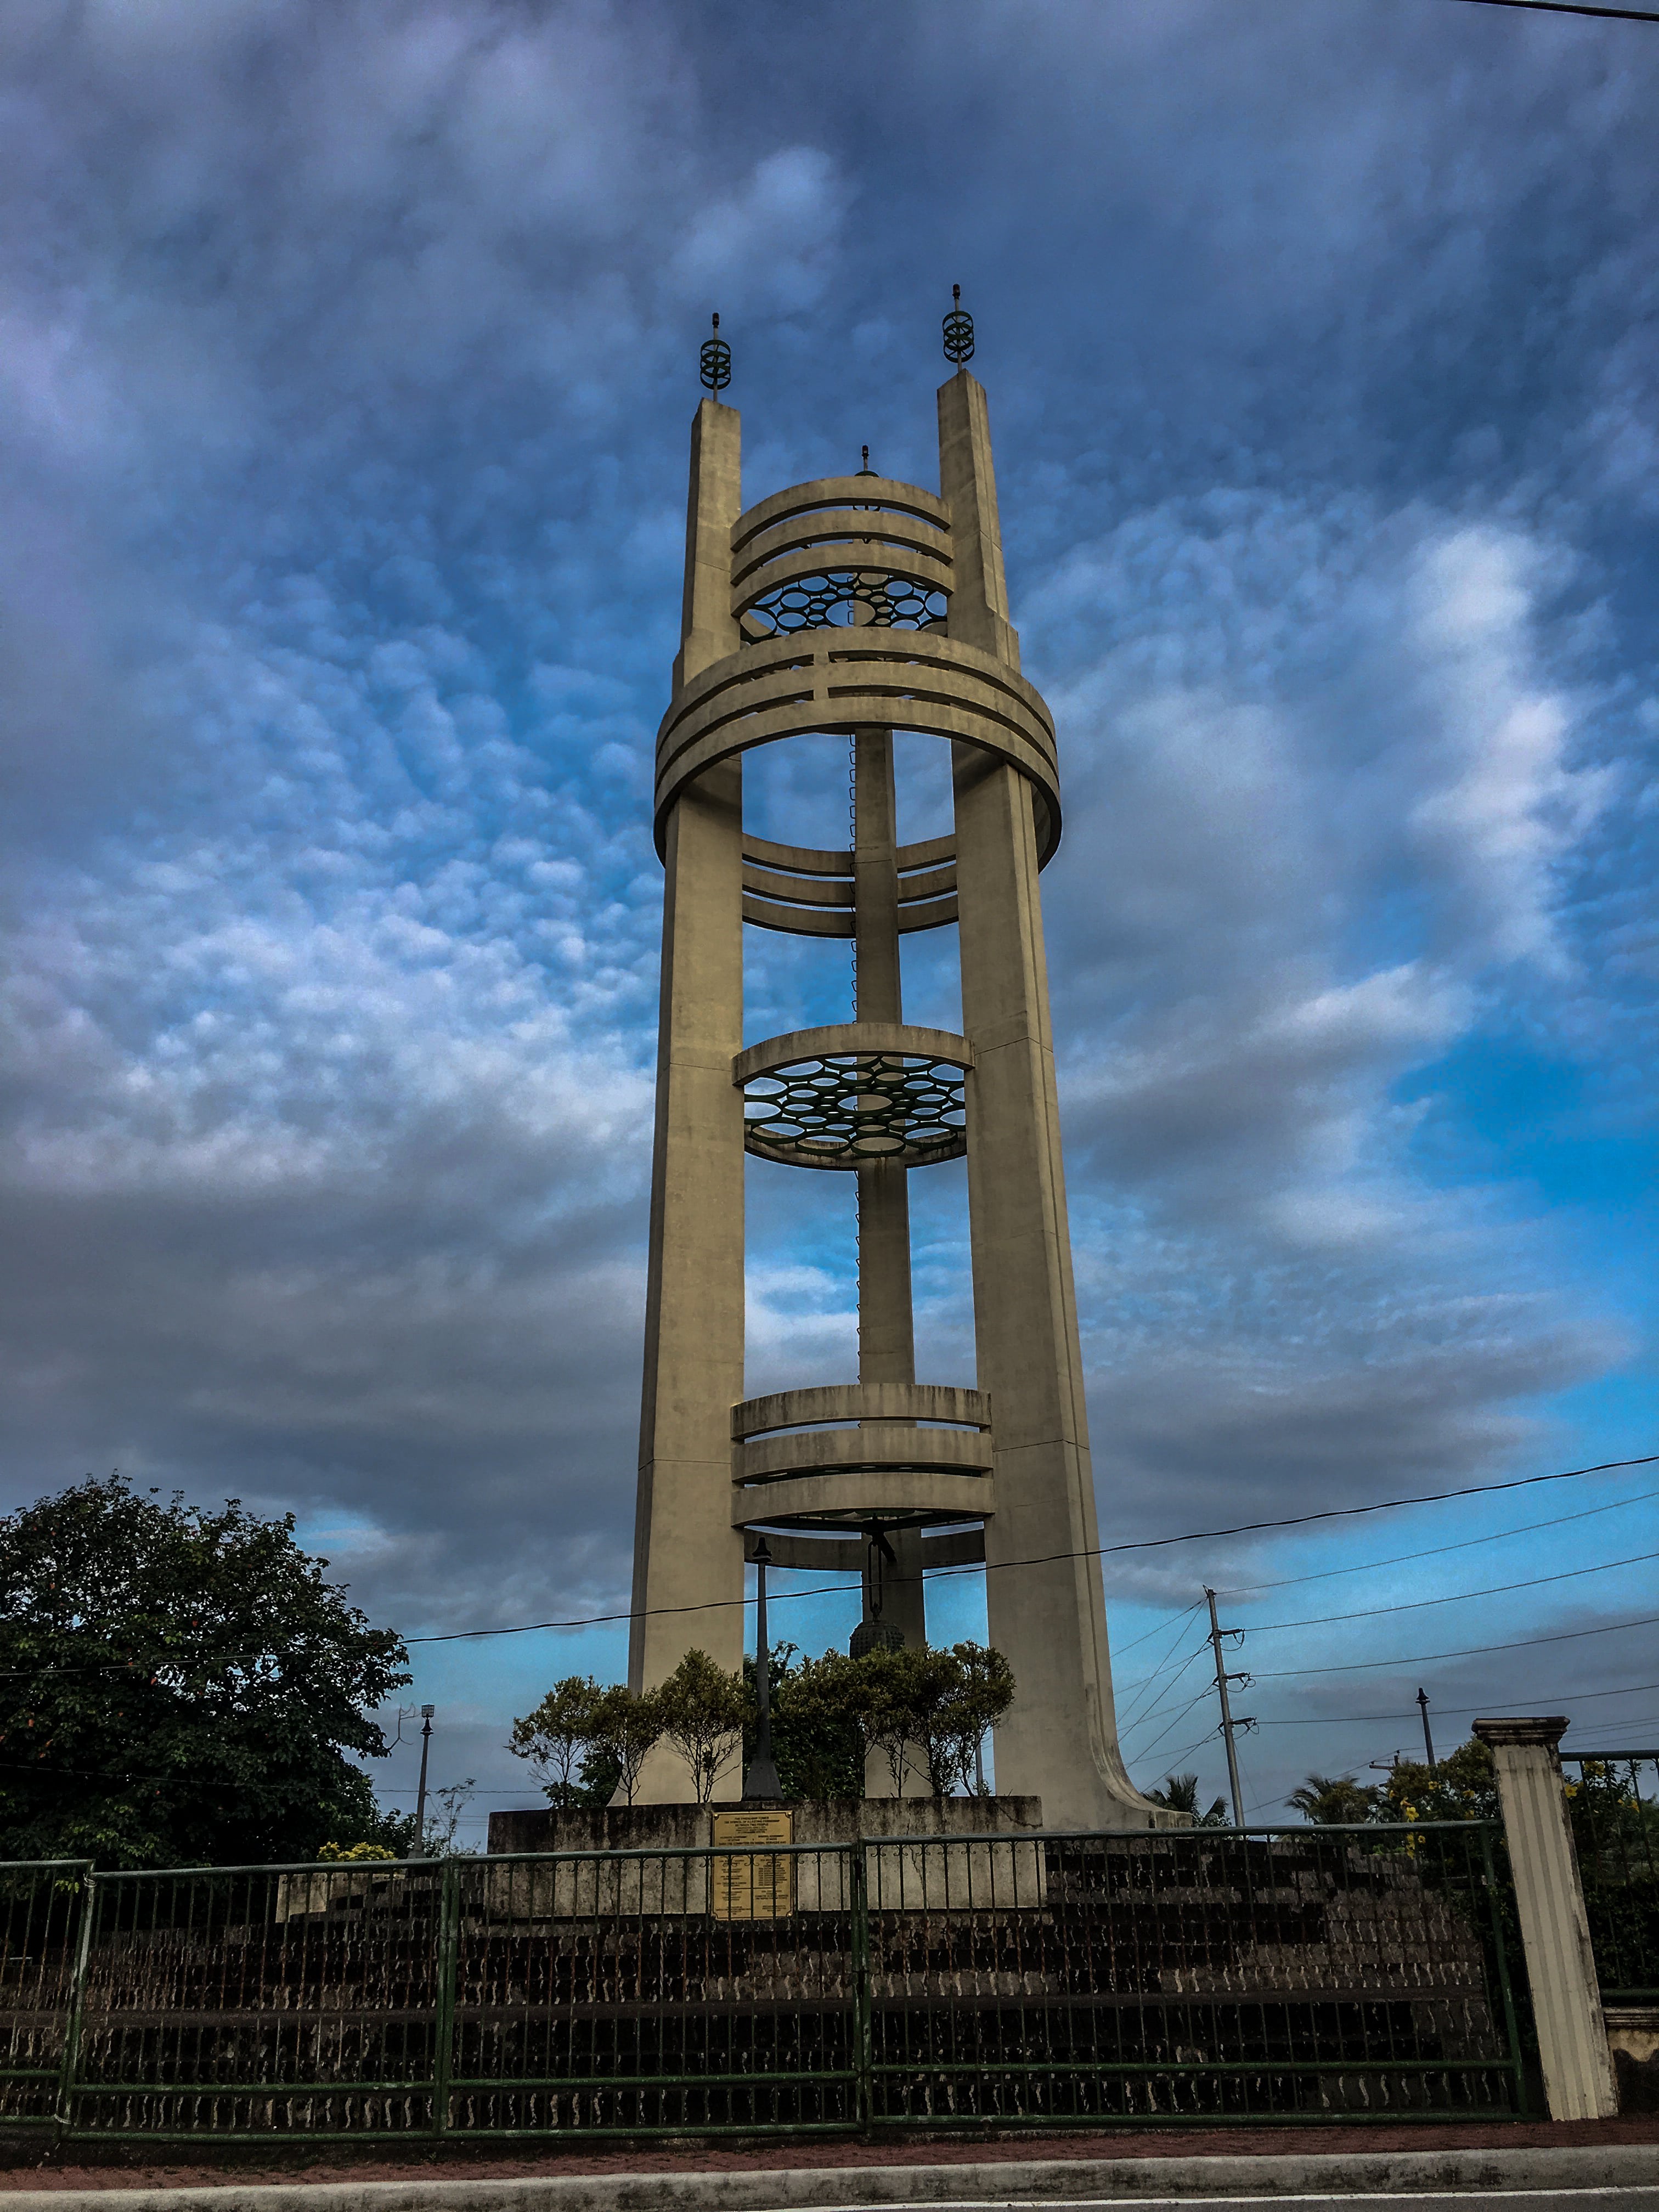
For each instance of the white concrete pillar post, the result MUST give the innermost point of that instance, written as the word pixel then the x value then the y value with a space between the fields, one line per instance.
pixel 1566 1998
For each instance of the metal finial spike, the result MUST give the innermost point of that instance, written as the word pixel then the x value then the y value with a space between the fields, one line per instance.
pixel 715 363
pixel 955 297
pixel 958 330
pixel 867 471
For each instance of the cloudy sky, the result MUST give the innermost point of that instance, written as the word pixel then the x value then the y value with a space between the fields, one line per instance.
pixel 349 352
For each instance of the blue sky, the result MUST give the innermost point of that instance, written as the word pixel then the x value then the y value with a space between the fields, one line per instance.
pixel 349 356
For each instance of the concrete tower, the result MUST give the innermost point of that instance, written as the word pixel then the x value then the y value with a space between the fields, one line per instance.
pixel 855 606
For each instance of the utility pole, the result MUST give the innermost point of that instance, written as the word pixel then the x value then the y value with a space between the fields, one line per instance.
pixel 1428 1741
pixel 1228 1723
pixel 427 1712
pixel 762 1780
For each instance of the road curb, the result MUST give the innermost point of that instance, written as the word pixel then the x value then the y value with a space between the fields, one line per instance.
pixel 806 2188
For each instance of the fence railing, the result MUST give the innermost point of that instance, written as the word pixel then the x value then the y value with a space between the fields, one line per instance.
pixel 1613 1802
pixel 1290 1974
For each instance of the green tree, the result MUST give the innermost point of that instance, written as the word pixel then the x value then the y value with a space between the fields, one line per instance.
pixel 1462 1787
pixel 703 1709
pixel 558 1738
pixel 625 1727
pixel 950 1698
pixel 180 1687
pixel 444 1820
pixel 816 1739
pixel 922 1710
pixel 1180 1794
pixel 1334 1799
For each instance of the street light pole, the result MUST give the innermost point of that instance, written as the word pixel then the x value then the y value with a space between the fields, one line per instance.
pixel 762 1780
pixel 1428 1741
pixel 427 1712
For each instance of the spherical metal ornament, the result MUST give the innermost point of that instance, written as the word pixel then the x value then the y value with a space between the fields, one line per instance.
pixel 958 330
pixel 715 364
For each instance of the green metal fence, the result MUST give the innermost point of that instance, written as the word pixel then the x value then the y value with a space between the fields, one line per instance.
pixel 1612 1801
pixel 966 1983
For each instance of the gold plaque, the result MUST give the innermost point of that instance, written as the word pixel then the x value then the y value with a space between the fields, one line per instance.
pixel 761 1887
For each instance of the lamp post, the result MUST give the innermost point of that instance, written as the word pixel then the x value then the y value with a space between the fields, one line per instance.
pixel 427 1712
pixel 762 1780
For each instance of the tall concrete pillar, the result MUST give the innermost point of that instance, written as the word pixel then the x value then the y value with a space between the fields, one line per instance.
pixel 853 606
pixel 1049 1621
pixel 887 1348
pixel 686 1549
pixel 1549 1899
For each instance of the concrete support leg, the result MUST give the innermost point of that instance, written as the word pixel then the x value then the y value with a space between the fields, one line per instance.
pixel 887 1351
pixel 686 1551
pixel 1059 1739
pixel 1566 1998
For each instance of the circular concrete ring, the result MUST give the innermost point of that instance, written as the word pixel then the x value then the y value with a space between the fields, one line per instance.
pixel 818 682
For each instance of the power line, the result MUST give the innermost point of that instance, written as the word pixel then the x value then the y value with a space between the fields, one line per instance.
pixel 1416 1605
pixel 1572 8
pixel 1342 1720
pixel 1164 1684
pixel 1048 1558
pixel 1464 1651
pixel 1434 1552
pixel 1452 1597
pixel 1173 1723
pixel 1051 1558
pixel 1165 1622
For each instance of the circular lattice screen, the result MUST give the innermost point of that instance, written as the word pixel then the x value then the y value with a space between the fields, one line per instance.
pixel 845 598
pixel 852 1110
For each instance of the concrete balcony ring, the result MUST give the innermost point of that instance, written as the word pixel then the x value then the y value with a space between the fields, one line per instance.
pixel 860 1401
pixel 841 539
pixel 857 1094
pixel 883 499
pixel 853 1499
pixel 849 1451
pixel 841 680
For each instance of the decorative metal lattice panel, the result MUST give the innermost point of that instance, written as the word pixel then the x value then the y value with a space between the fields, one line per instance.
pixel 845 598
pixel 852 1109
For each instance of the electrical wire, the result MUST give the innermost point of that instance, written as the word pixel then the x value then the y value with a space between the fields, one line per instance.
pixel 1051 1558
pixel 1434 1551
pixel 1048 1558
pixel 1464 1651
pixel 1336 1720
pixel 1452 1597
pixel 1161 1671
pixel 1147 1750
pixel 1140 1718
pixel 1164 1619
pixel 1572 8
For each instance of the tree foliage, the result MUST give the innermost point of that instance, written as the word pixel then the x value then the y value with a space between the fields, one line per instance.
pixel 1180 1794
pixel 1334 1799
pixel 1461 1786
pixel 625 1727
pixel 559 1738
pixel 926 1710
pixel 703 1709
pixel 180 1687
